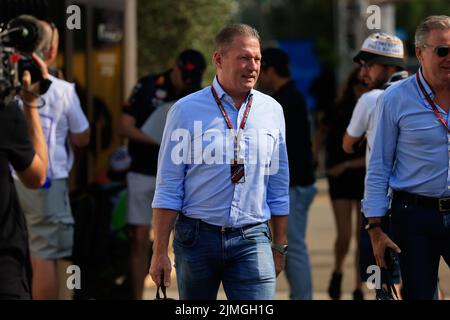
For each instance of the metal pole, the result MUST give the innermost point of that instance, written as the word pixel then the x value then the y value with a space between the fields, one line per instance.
pixel 130 46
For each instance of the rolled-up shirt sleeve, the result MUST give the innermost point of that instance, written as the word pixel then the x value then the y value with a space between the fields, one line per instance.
pixel 278 183
pixel 381 163
pixel 169 191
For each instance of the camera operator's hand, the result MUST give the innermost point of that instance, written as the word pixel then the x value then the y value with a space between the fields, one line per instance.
pixel 31 91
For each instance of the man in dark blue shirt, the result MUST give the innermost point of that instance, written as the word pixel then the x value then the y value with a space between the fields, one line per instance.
pixel 275 77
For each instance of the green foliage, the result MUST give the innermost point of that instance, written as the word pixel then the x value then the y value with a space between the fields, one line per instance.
pixel 410 13
pixel 293 19
pixel 167 27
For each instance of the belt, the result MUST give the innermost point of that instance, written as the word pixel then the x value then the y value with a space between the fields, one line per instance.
pixel 439 204
pixel 212 227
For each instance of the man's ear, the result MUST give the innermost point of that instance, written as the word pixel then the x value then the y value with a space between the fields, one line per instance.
pixel 217 59
pixel 52 53
pixel 419 54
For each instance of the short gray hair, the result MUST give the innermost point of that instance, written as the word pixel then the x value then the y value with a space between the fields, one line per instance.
pixel 227 35
pixel 430 23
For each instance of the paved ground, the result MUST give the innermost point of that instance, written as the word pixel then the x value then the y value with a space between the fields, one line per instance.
pixel 320 238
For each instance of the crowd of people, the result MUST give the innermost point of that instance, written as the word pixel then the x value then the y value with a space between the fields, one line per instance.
pixel 232 174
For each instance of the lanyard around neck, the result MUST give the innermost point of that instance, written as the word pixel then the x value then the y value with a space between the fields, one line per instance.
pixel 228 121
pixel 431 102
pixel 225 114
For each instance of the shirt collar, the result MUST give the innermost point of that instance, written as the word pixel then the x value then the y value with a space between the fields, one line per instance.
pixel 427 88
pixel 399 75
pixel 221 93
pixel 219 90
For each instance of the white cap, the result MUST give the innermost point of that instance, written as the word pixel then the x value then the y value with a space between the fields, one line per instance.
pixel 381 48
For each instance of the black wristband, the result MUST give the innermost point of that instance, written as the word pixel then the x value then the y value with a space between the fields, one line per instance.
pixel 370 226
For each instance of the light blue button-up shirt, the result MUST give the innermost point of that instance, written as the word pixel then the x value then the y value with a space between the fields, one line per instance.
pixel 194 160
pixel 410 149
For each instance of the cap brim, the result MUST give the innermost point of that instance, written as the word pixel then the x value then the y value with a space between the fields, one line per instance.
pixel 372 58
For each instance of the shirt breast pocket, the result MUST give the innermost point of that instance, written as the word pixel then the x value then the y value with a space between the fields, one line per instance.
pixel 260 145
pixel 424 133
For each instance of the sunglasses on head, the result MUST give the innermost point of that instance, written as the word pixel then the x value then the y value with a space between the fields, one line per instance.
pixel 440 51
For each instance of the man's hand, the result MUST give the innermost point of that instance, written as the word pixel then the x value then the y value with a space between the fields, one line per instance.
pixel 380 241
pixel 32 90
pixel 163 222
pixel 279 260
pixel 160 268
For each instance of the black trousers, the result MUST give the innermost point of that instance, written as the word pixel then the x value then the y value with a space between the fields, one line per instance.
pixel 14 279
pixel 420 233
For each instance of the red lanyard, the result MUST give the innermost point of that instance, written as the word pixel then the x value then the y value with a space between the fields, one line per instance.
pixel 228 121
pixel 431 102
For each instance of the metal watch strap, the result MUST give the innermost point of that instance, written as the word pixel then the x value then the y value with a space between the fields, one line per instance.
pixel 281 248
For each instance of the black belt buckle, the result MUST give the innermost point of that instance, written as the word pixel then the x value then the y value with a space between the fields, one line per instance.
pixel 444 204
pixel 226 229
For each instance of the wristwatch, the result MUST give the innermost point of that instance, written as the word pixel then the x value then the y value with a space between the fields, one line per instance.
pixel 281 248
pixel 372 225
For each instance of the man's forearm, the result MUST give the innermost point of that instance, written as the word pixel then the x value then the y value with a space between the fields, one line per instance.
pixel 139 136
pixel 357 163
pixel 163 222
pixel 279 229
pixel 36 135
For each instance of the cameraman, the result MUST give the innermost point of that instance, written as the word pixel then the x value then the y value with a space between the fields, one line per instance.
pixel 47 210
pixel 23 146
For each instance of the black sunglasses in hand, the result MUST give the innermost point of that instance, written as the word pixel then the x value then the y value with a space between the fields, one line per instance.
pixel 440 51
pixel 163 290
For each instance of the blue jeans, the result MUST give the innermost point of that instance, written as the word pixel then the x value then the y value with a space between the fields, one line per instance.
pixel 298 269
pixel 240 258
pixel 421 235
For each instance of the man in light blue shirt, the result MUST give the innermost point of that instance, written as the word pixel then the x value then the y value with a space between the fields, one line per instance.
pixel 411 156
pixel 222 175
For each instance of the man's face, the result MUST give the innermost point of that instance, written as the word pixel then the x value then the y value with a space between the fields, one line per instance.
pixel 374 75
pixel 436 68
pixel 238 65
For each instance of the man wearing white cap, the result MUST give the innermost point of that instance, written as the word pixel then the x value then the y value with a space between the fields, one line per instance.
pixel 382 62
pixel 410 155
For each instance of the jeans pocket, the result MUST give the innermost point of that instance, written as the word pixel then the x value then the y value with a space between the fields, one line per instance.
pixel 185 234
pixel 257 234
